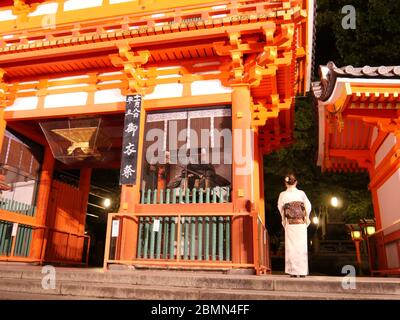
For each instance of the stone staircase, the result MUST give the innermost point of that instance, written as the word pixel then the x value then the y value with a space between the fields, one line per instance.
pixel 25 282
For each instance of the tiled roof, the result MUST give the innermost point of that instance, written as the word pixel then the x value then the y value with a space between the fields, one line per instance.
pixel 328 74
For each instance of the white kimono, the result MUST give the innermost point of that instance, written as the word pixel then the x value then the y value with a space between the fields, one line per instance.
pixel 296 255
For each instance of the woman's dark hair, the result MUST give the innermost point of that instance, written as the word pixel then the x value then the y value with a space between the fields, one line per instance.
pixel 290 179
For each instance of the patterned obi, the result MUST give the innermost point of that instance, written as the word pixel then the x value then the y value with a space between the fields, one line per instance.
pixel 296 221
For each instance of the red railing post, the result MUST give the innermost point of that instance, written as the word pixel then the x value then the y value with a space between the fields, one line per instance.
pixel 108 241
pixel 178 239
pixel 256 253
pixel 87 251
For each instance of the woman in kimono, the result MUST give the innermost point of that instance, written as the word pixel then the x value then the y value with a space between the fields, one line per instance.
pixel 295 209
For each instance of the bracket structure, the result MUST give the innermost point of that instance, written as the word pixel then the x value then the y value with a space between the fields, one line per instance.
pixel 132 63
pixel 252 63
pixel 6 97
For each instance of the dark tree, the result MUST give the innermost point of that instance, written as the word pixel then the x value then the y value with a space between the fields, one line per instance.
pixel 374 42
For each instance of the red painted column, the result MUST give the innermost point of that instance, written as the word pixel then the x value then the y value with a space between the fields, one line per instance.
pixel 42 203
pixel 242 176
pixel 2 126
pixel 84 189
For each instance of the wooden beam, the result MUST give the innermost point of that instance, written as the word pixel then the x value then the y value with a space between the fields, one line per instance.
pixel 349 153
pixel 28 132
pixel 19 218
pixel 118 107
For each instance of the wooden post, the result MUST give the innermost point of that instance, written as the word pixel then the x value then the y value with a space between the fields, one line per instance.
pixel 3 125
pixel 42 202
pixel 242 177
pixel 108 242
pixel 358 256
pixel 84 190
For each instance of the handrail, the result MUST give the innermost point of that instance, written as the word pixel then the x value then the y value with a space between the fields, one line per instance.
pixel 388 227
pixel 261 262
pixel 377 249
pixel 69 234
pixel 171 214
pixel 43 246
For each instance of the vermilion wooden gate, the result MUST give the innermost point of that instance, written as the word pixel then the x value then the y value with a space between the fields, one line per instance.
pixel 66 220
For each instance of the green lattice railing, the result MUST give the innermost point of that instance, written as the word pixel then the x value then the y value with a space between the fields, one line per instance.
pixel 200 238
pixel 179 195
pixel 22 242
pixel 18 207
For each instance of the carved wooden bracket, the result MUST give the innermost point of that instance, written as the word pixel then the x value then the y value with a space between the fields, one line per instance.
pixel 132 63
pixel 6 98
pixel 22 10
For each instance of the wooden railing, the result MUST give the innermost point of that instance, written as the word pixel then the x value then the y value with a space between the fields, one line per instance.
pixel 18 245
pixel 16 241
pixel 199 238
pixel 67 247
pixel 56 246
pixel 384 250
pixel 18 207
pixel 182 240
pixel 179 195
pixel 263 254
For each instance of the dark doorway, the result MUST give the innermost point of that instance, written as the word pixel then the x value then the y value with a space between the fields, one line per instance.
pixel 103 199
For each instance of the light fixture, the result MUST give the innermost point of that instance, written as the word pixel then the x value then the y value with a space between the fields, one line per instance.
pixel 356 235
pixel 367 226
pixel 355 231
pixel 334 202
pixel 107 203
pixel 370 230
pixel 315 220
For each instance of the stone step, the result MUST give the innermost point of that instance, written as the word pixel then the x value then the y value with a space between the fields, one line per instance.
pixel 8 295
pixel 83 290
pixel 173 279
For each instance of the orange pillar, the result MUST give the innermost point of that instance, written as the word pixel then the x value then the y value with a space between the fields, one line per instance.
pixel 242 182
pixel 3 104
pixel 2 126
pixel 84 188
pixel 42 202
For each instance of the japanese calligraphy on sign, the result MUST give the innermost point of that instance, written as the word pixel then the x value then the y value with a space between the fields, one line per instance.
pixel 130 140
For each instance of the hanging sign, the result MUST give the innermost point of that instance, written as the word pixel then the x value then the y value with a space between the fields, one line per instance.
pixel 14 230
pixel 115 228
pixel 130 140
pixel 156 225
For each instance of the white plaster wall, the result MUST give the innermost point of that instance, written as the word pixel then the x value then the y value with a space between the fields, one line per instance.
pixel 108 96
pixel 389 200
pixel 47 8
pixel 79 4
pixel 25 103
pixel 23 192
pixel 374 136
pixel 167 90
pixel 208 87
pixel 392 255
pixel 65 100
pixel 383 150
